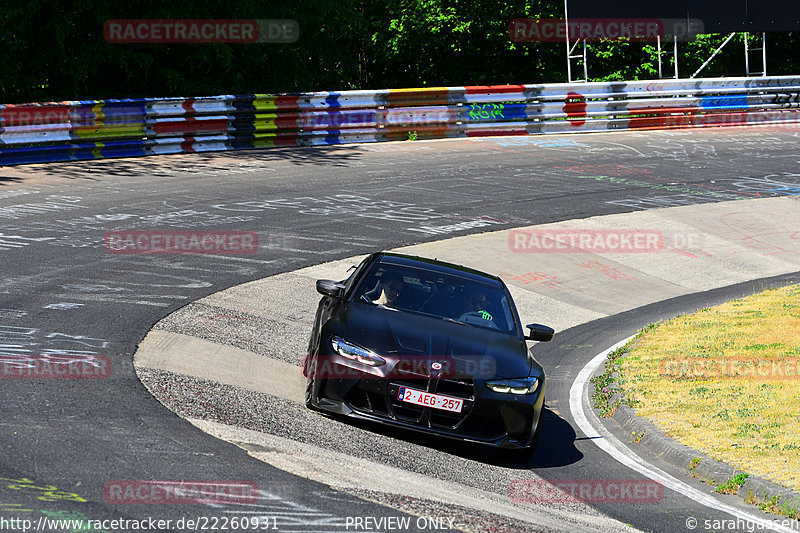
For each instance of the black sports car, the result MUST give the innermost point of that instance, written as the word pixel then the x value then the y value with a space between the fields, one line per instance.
pixel 429 346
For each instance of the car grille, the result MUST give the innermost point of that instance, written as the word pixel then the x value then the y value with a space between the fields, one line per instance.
pixel 368 398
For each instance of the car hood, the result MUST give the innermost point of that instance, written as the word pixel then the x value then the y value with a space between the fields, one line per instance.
pixel 480 352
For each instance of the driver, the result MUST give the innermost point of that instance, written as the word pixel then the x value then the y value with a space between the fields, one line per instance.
pixel 391 285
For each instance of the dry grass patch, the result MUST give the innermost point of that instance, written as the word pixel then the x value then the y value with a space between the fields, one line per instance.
pixel 726 381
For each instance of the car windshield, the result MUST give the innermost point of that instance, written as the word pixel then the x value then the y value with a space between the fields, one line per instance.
pixel 448 297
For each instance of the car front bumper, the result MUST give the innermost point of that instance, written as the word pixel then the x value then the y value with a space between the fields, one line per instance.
pixel 487 417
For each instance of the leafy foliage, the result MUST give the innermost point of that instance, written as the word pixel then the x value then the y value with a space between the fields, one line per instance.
pixel 57 50
pixel 732 485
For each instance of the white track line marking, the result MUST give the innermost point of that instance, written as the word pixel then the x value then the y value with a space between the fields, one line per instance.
pixel 579 398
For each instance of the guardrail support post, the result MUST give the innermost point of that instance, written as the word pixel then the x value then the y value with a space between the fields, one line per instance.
pixel 762 49
pixel 571 49
pixel 580 56
pixel 674 56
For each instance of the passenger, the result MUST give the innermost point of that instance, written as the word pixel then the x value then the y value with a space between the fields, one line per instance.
pixel 391 284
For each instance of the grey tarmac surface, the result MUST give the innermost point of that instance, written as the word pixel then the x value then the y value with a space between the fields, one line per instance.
pixel 208 337
pixel 62 294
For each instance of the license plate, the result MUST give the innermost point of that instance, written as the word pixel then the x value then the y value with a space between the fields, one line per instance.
pixel 426 399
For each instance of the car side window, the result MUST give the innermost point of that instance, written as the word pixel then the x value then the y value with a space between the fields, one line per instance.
pixel 357 273
pixel 371 287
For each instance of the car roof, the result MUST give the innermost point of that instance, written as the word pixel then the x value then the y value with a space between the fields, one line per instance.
pixel 392 258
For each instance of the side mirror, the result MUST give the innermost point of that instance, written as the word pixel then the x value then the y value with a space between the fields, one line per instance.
pixel 540 333
pixel 329 287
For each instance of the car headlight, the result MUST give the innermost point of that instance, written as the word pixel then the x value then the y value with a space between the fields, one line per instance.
pixel 514 386
pixel 355 352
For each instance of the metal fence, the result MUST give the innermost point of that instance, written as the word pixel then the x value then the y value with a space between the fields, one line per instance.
pixel 78 130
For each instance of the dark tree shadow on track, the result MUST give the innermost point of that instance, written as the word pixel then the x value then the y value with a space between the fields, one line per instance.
pixel 173 165
pixel 556 446
pixel 5 180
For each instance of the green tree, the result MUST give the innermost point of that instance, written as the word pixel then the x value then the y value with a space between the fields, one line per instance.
pixel 55 51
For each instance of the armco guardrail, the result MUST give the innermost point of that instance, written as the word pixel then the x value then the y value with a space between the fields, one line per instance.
pixel 63 131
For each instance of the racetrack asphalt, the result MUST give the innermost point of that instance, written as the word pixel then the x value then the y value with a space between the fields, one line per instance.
pixel 62 294
pixel 252 336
